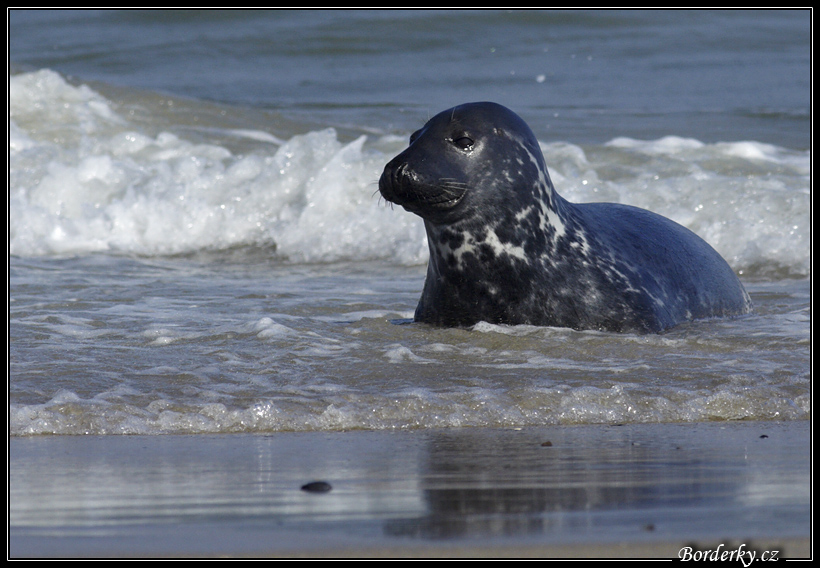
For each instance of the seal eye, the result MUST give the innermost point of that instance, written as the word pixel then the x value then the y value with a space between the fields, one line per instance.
pixel 463 142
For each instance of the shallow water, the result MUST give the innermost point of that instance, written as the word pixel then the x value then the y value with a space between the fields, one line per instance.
pixel 107 345
pixel 197 245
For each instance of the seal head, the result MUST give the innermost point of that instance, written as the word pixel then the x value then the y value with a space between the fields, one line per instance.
pixel 506 248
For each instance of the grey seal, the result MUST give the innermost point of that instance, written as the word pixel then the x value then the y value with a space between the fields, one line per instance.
pixel 506 248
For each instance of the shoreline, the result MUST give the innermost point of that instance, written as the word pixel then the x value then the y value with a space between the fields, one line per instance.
pixel 592 491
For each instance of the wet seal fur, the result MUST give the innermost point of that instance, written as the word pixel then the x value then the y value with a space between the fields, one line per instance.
pixel 506 248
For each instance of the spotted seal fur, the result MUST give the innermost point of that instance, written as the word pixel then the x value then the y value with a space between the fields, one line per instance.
pixel 506 248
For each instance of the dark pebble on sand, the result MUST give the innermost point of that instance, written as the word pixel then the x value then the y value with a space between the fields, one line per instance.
pixel 317 487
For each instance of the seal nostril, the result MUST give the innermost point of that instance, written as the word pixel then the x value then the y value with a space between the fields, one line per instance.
pixel 403 175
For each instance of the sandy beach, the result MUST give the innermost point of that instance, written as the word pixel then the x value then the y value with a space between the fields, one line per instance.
pixel 598 491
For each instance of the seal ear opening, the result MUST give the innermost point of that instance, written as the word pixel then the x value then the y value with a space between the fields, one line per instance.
pixel 499 132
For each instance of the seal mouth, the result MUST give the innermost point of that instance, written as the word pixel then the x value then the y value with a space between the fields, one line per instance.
pixel 452 191
pixel 402 186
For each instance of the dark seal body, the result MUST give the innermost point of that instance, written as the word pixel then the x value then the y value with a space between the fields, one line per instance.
pixel 506 248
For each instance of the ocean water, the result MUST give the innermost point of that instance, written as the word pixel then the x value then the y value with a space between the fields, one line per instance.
pixel 197 244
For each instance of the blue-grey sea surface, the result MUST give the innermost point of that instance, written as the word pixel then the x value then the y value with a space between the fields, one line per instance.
pixel 197 243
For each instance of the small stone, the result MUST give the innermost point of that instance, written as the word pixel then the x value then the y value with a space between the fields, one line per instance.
pixel 317 487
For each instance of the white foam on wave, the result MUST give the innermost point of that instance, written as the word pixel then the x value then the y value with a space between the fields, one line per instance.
pixel 86 178
pixel 333 408
pixel 749 200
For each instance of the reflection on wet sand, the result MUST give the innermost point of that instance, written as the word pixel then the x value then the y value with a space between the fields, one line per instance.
pixel 429 492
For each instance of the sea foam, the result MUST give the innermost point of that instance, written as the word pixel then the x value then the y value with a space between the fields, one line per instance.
pixel 87 177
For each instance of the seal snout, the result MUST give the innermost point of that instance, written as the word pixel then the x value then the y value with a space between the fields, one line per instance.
pixel 392 182
pixel 401 184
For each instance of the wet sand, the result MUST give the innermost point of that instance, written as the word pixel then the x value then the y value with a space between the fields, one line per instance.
pixel 597 491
